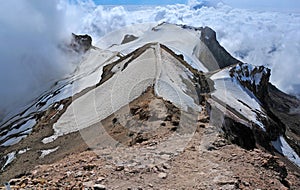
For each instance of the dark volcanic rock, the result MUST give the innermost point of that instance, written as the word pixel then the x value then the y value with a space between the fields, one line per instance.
pixel 81 43
pixel 238 133
pixel 283 109
pixel 222 57
pixel 128 38
pixel 255 79
pixel 281 112
pixel 238 130
pixel 287 109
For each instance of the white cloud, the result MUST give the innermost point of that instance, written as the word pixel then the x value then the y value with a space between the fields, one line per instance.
pixel 286 5
pixel 29 34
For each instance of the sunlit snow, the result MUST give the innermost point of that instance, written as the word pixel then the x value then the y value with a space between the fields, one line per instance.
pixel 283 147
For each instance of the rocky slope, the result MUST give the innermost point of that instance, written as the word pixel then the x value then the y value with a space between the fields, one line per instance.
pixel 156 111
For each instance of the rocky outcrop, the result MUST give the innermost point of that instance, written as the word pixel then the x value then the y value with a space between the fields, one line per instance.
pixel 278 112
pixel 81 43
pixel 222 57
pixel 128 38
pixel 286 108
pixel 283 109
pixel 254 78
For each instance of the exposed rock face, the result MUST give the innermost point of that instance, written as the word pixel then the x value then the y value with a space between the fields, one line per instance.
pixel 128 38
pixel 81 43
pixel 223 58
pixel 286 109
pixel 236 126
pixel 238 133
pixel 256 79
pixel 283 112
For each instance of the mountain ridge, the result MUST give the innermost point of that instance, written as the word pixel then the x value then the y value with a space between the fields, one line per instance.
pixel 234 98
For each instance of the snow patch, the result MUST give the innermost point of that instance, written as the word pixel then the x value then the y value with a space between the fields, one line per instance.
pixel 170 82
pixel 13 140
pixel 9 158
pixel 23 151
pixel 119 90
pixel 22 130
pixel 48 151
pixel 284 148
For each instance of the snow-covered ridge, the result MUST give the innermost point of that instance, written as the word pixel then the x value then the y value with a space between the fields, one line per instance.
pixel 150 65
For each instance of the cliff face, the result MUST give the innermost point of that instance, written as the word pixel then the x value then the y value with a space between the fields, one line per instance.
pixel 161 88
pixel 222 57
pixel 286 109
pixel 255 79
pixel 282 108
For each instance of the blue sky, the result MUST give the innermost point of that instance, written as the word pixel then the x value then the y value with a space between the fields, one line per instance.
pixel 139 2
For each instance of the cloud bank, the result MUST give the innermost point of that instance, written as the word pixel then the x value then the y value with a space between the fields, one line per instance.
pixel 279 5
pixel 29 59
